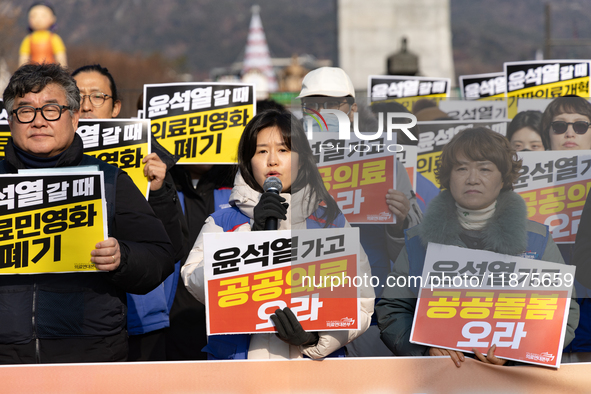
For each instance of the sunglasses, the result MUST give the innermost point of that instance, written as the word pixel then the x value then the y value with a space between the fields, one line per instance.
pixel 560 127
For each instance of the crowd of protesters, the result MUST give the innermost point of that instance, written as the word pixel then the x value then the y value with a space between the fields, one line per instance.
pixel 147 304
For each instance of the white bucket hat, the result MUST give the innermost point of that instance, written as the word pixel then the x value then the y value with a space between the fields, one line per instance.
pixel 327 81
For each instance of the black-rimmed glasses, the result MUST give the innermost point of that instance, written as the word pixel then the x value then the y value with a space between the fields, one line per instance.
pixel 560 127
pixel 51 112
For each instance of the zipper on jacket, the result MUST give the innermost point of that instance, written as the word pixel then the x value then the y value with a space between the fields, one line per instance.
pixel 37 350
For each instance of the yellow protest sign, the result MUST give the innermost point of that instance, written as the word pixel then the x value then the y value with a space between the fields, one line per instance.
pixel 4 136
pixel 199 122
pixel 545 79
pixel 50 223
pixel 119 142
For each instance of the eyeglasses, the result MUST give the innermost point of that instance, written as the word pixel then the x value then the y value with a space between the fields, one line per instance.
pixel 97 99
pixel 328 104
pixel 560 127
pixel 51 112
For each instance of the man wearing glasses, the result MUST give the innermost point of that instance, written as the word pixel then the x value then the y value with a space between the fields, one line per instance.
pixel 148 314
pixel 74 317
pixel 98 92
pixel 331 88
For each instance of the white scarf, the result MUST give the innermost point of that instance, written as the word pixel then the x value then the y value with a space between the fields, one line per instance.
pixel 475 219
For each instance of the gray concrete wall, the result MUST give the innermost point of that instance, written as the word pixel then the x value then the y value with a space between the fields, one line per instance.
pixel 371 30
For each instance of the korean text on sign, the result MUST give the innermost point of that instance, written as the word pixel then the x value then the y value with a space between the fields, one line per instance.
pixel 360 187
pixel 483 86
pixel 357 174
pixel 473 299
pixel 199 122
pixel 407 89
pixel 555 186
pixel 120 142
pixel 50 223
pixel 263 271
pixel 4 136
pixel 544 79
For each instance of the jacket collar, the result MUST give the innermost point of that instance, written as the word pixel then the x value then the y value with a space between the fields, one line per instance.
pixel 70 157
pixel 504 233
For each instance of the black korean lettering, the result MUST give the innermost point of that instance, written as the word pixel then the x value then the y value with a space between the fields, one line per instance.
pixel 196 121
pixel 255 251
pixel 282 251
pixel 218 121
pixel 587 165
pixel 14 255
pixel 131 158
pixel 548 171
pixel 523 177
pixel 338 246
pixel 567 168
pixel 157 130
pixel 26 221
pixel 6 229
pixel 186 147
pixel 57 221
pixel 176 128
pixel 81 216
pixel 110 157
pixel 210 141
pixel 226 260
pixel 238 118
pixel 45 246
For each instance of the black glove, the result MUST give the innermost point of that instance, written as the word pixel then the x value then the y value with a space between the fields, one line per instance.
pixel 270 205
pixel 290 330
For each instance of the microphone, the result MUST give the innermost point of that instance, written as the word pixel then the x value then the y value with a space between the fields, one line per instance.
pixel 272 185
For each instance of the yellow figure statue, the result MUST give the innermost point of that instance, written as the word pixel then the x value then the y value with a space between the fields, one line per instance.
pixel 42 45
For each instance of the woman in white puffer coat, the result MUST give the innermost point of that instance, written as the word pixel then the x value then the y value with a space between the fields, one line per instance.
pixel 274 144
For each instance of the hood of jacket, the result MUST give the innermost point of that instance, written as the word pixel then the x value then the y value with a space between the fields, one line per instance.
pixel 505 232
pixel 245 198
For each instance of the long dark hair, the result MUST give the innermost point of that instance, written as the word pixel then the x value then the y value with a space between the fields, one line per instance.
pixel 294 137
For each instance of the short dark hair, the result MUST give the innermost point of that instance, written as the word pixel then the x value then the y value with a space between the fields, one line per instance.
pixel 103 71
pixel 531 119
pixel 570 104
pixel 294 137
pixel 479 144
pixel 34 77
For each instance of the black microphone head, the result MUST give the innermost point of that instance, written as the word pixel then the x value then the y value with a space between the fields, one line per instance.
pixel 272 184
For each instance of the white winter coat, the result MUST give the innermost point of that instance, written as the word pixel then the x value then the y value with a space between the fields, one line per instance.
pixel 269 346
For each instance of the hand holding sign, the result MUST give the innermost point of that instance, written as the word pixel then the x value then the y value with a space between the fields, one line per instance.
pixel 107 255
pixel 290 330
pixel 490 356
pixel 456 357
pixel 154 170
pixel 399 205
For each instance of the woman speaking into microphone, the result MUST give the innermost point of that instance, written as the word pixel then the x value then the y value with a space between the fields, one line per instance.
pixel 277 186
